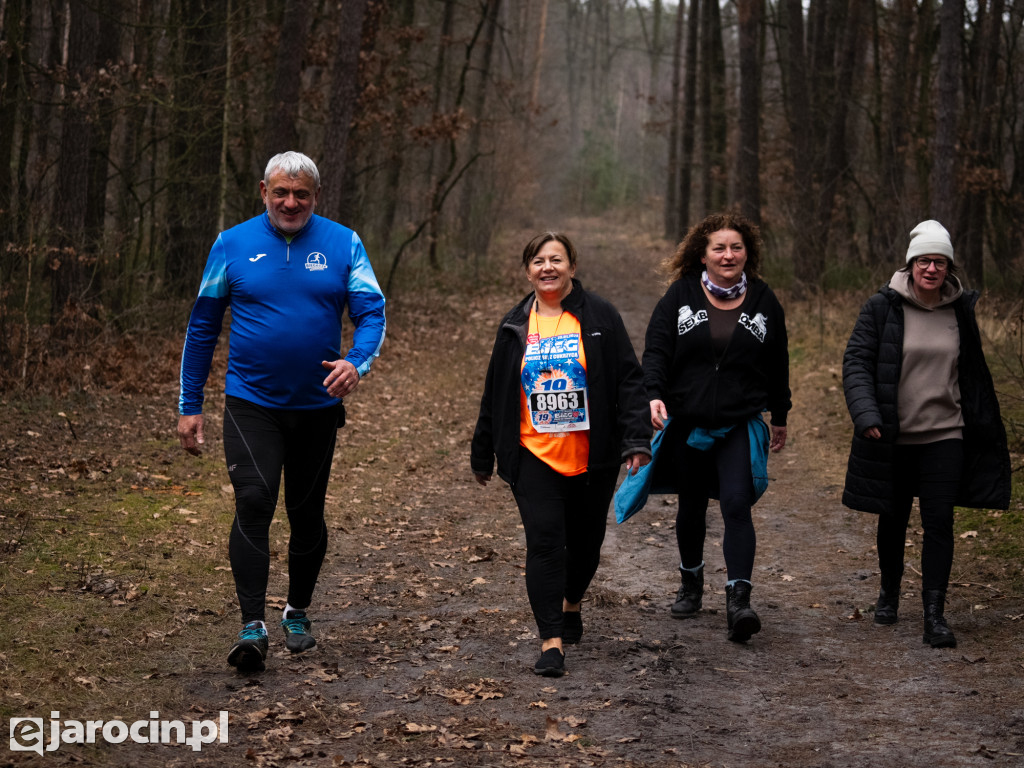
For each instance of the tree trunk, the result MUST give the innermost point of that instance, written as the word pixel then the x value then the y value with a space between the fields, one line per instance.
pixel 439 154
pixel 689 119
pixel 713 120
pixel 970 234
pixel 349 203
pixel 280 128
pixel 835 160
pixel 538 54
pixel 195 141
pixel 477 201
pixel 11 96
pixel 108 54
pixel 344 91
pixel 793 61
pixel 890 212
pixel 748 163
pixel 1006 232
pixel 72 249
pixel 672 189
pixel 405 14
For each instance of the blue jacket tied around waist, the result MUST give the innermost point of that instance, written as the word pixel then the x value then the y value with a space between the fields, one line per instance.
pixel 632 495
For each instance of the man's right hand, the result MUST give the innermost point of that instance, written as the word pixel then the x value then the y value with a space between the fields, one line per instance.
pixel 190 433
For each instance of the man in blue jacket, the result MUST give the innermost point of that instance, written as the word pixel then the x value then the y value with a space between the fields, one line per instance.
pixel 287 276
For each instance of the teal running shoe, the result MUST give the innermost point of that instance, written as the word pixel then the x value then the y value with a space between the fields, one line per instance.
pixel 249 653
pixel 296 632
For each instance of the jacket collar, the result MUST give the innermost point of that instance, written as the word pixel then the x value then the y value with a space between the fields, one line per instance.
pixel 308 226
pixel 572 303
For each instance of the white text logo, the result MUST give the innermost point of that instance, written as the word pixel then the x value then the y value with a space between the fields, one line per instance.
pixel 316 261
pixel 688 319
pixel 757 325
pixel 28 734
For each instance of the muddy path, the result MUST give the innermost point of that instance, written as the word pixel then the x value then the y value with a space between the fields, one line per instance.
pixel 426 641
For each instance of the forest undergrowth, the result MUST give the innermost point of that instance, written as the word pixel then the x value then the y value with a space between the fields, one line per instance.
pixel 119 599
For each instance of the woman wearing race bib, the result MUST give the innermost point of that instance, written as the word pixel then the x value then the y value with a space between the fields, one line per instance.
pixel 715 357
pixel 563 406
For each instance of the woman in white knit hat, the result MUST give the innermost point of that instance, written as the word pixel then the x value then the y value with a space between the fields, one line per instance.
pixel 926 421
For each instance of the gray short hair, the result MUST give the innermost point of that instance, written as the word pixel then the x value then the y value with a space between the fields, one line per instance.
pixel 292 163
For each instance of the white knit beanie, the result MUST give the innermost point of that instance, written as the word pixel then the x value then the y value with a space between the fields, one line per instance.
pixel 927 238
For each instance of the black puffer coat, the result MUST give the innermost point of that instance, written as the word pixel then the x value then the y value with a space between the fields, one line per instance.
pixel 871 375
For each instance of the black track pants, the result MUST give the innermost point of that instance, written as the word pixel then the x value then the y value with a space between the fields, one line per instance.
pixel 726 465
pixel 258 444
pixel 564 519
pixel 932 473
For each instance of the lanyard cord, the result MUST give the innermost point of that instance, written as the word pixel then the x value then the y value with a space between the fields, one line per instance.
pixel 545 360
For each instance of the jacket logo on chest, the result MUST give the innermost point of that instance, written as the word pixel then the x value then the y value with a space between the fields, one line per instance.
pixel 316 261
pixel 688 319
pixel 757 325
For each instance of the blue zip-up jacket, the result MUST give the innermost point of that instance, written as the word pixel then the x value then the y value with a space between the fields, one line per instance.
pixel 287 298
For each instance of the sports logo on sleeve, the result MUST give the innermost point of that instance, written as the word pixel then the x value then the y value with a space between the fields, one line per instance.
pixel 688 319
pixel 316 262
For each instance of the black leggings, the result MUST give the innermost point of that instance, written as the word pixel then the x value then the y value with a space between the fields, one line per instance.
pixel 564 519
pixel 724 468
pixel 932 473
pixel 258 443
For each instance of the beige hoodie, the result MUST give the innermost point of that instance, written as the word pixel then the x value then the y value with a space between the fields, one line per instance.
pixel 929 388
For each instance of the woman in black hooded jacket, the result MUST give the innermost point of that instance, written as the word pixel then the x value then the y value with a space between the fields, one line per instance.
pixel 716 355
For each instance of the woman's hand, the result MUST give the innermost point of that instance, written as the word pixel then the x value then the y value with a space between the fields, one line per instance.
pixel 658 415
pixel 778 441
pixel 873 432
pixel 482 479
pixel 635 461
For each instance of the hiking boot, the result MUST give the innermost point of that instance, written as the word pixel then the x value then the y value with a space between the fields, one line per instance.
pixel 249 653
pixel 572 627
pixel 937 633
pixel 690 596
pixel 888 602
pixel 296 632
pixel 742 619
pixel 550 664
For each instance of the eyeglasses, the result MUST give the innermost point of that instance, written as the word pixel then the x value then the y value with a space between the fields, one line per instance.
pixel 941 265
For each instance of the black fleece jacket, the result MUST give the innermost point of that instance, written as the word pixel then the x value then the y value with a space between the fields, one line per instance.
pixel 680 367
pixel 620 423
pixel 871 376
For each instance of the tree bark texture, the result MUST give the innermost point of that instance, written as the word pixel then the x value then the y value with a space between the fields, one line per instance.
pixel 748 160
pixel 344 91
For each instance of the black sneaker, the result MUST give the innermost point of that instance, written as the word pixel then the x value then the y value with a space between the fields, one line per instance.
pixel 550 664
pixel 249 653
pixel 572 627
pixel 296 632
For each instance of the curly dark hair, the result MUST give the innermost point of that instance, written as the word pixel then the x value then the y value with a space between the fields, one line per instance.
pixel 533 247
pixel 687 258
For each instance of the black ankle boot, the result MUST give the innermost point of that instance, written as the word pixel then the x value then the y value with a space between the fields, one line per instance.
pixel 888 602
pixel 742 619
pixel 690 597
pixel 937 633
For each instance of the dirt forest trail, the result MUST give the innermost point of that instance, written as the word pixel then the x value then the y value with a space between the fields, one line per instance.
pixel 819 686
pixel 425 637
